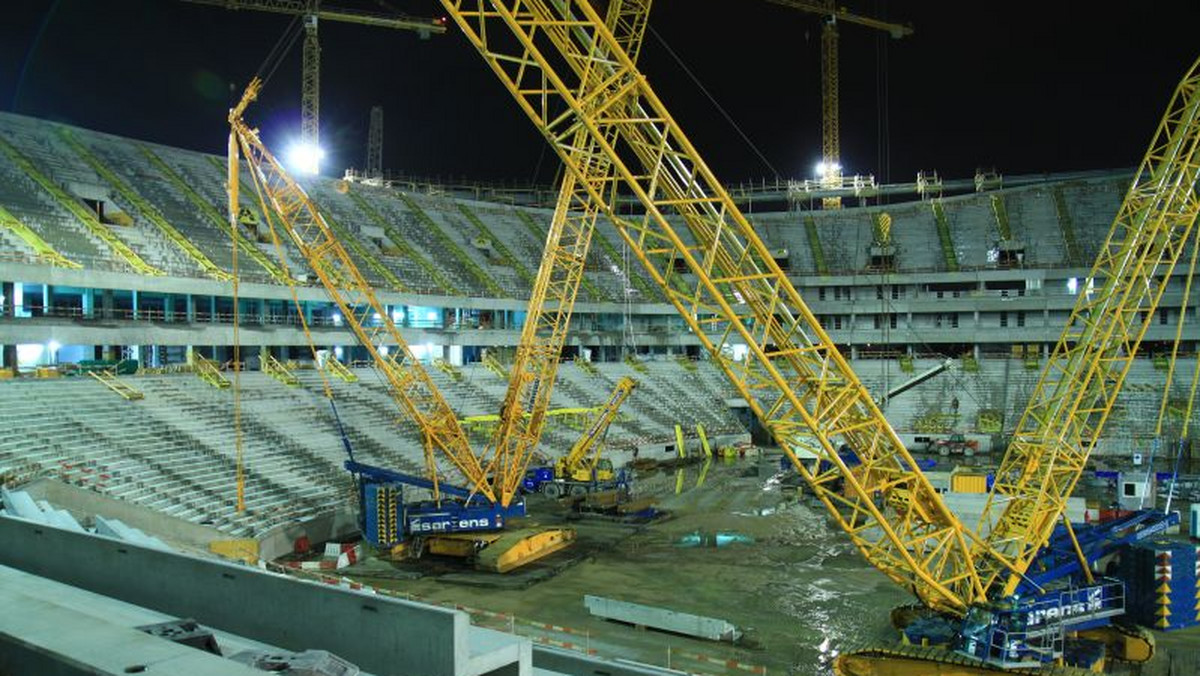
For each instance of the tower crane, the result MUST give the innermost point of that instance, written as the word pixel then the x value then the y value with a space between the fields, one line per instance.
pixel 568 73
pixel 459 520
pixel 831 152
pixel 311 12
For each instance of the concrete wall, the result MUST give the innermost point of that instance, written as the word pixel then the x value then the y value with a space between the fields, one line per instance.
pixel 84 503
pixel 381 635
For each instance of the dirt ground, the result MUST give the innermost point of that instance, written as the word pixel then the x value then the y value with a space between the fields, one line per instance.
pixel 797 588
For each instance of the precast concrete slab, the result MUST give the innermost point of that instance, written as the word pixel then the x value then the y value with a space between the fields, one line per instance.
pixel 380 634
pixel 53 628
pixel 664 619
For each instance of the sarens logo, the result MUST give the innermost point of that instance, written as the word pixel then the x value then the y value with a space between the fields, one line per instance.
pixel 447 523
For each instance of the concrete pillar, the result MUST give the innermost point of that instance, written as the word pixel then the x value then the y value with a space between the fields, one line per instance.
pixel 47 299
pixel 169 307
pixel 136 310
pixel 106 304
pixel 190 307
pixel 87 302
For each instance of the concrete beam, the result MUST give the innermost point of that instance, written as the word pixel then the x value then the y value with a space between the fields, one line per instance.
pixel 380 634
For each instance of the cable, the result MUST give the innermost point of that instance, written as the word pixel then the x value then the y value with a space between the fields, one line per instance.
pixel 721 110
pixel 275 57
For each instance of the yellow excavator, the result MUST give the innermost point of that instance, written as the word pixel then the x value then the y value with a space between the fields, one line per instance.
pixel 584 469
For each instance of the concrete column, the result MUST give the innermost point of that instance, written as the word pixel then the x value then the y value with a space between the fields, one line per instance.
pixel 212 309
pixel 47 299
pixel 88 303
pixel 7 289
pixel 136 310
pixel 106 304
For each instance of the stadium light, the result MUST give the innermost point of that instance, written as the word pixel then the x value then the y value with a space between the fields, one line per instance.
pixel 305 158
pixel 823 168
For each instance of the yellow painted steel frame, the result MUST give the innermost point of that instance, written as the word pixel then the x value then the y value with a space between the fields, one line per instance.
pixel 569 74
pixel 585 452
pixel 1083 376
pixel 535 365
pixel 410 385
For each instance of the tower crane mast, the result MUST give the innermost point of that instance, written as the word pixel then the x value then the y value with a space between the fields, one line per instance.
pixel 831 141
pixel 311 13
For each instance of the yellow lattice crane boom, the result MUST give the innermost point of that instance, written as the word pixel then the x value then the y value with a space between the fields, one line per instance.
pixel 409 384
pixel 1088 365
pixel 569 74
pixel 535 365
pixel 831 144
pixel 312 12
pixel 584 458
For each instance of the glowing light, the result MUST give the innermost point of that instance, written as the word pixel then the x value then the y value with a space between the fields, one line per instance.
pixel 832 169
pixel 305 158
pixel 337 319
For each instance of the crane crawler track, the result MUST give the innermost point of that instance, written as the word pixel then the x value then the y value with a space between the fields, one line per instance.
pixel 910 660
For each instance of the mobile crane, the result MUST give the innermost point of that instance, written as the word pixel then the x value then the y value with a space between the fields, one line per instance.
pixel 583 470
pixel 569 75
pixel 456 520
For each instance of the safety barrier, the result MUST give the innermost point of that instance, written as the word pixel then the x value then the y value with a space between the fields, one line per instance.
pixel 365 254
pixel 120 387
pixel 943 230
pixel 209 373
pixel 213 216
pixel 85 217
pixel 1001 213
pixel 272 367
pixel 148 211
pixel 814 245
pixel 1067 226
pixel 402 244
pixel 452 248
pixel 44 251
pixel 505 254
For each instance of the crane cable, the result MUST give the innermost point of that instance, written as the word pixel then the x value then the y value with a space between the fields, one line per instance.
pixel 274 58
pixel 713 100
pixel 1166 393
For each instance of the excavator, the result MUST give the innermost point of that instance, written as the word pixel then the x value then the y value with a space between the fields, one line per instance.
pixel 571 76
pixel 584 470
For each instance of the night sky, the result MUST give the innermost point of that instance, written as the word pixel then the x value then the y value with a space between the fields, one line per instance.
pixel 1022 87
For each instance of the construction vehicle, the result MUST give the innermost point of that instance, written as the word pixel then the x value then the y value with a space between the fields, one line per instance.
pixel 584 470
pixel 954 444
pixel 572 78
pixel 464 520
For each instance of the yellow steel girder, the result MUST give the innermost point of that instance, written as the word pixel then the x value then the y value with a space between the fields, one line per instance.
pixel 569 74
pixel 535 366
pixel 410 385
pixel 1084 374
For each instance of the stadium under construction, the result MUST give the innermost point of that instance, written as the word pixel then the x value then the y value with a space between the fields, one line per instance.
pixel 262 415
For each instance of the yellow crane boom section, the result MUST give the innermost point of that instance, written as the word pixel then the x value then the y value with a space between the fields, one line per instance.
pixel 569 74
pixel 585 452
pixel 535 366
pixel 1115 307
pixel 409 384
